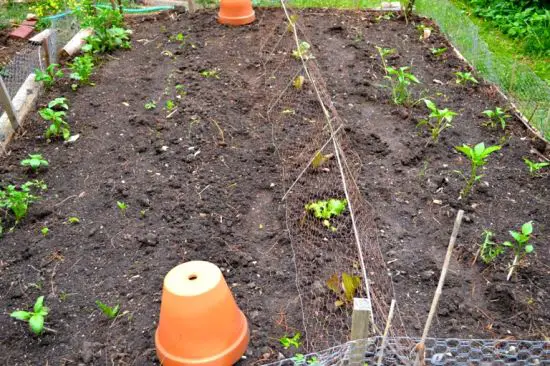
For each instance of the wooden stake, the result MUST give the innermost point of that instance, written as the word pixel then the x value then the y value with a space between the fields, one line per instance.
pixel 420 347
pixel 5 102
pixel 46 47
pixel 191 6
pixel 386 331
pixel 361 329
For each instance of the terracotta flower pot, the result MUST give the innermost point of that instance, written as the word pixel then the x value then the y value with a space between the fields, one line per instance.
pixel 236 12
pixel 200 322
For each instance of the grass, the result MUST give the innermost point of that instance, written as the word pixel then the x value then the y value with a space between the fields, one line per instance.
pixel 12 13
pixel 503 46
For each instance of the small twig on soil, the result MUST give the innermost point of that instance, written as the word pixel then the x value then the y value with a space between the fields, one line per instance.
pixel 171 113
pixel 50 330
pixel 202 190
pixel 52 276
pixel 420 347
pixel 68 198
pixel 386 330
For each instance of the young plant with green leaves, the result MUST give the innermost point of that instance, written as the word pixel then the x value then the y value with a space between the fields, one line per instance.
pixel 35 318
pixel 400 80
pixel 438 120
pixel 58 127
pixel 478 158
pixel 327 209
pixel 35 162
pixel 180 38
pixel 489 250
pixel 301 359
pixel 17 200
pixel 345 289
pixel 109 32
pixel 463 78
pixel 520 245
pixel 81 70
pixel 170 105
pixel 150 105
pixel 303 52
pixel 298 82
pixel 535 167
pixel 45 231
pixel 438 52
pixel 110 312
pixel 48 76
pixel 384 52
pixel 122 207
pixel 212 73
pixel 496 116
pixel 293 341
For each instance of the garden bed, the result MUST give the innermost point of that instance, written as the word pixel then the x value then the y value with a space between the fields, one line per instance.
pixel 204 181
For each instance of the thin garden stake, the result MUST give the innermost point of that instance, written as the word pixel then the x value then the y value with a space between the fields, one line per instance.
pixel 420 348
pixel 386 331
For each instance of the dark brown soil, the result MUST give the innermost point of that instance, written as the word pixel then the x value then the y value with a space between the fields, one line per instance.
pixel 195 194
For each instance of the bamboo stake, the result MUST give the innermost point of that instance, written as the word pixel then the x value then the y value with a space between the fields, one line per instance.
pixel 420 347
pixel 386 331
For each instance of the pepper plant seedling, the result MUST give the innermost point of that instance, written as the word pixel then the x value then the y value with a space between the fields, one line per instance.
pixel 73 220
pixel 496 116
pixel 58 104
pixel 287 342
pixel 535 167
pixel 325 210
pixel 345 289
pixel 438 120
pixel 463 78
pixel 110 312
pixel 48 76
pixel 400 80
pixel 35 318
pixel 44 231
pixel 35 162
pixel 520 245
pixel 489 250
pixel 478 158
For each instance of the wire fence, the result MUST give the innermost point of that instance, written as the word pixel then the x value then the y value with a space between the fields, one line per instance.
pixel 438 352
pixel 31 56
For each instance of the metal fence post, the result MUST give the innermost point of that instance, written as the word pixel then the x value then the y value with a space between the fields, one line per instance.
pixel 5 102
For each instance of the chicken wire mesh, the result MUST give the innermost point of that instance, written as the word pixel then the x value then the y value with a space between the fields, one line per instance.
pixel 318 165
pixel 31 56
pixel 438 352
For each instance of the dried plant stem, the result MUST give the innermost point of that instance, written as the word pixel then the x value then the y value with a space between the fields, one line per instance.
pixel 514 264
pixel 421 346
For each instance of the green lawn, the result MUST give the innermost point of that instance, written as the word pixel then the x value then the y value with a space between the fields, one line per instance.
pixel 503 46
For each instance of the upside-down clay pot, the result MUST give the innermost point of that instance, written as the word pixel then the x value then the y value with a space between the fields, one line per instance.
pixel 200 322
pixel 236 12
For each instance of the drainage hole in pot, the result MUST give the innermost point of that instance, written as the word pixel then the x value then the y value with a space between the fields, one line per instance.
pixel 192 277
